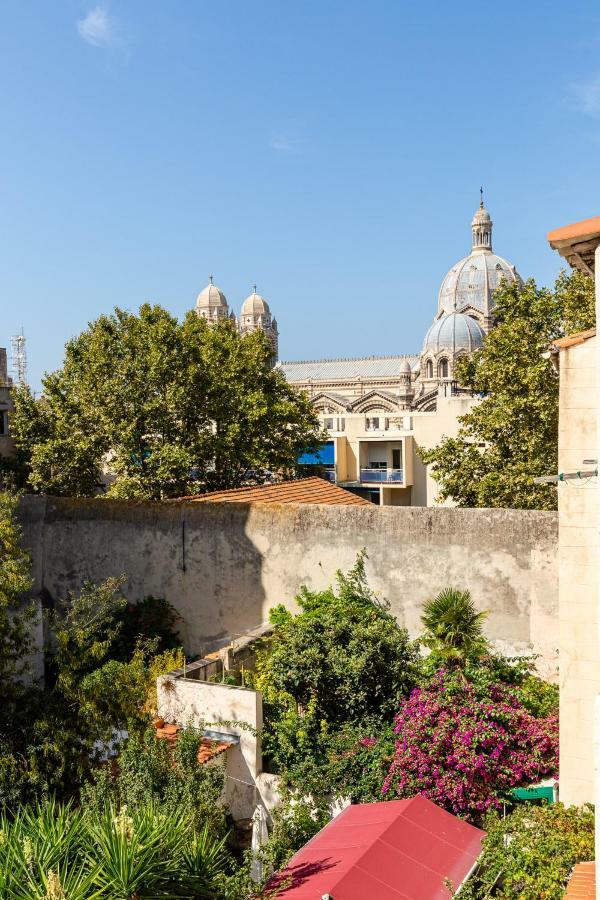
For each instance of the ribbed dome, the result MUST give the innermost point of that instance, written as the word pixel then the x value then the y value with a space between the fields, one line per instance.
pixel 472 282
pixel 211 298
pixel 405 367
pixel 481 217
pixel 454 332
pixel 255 305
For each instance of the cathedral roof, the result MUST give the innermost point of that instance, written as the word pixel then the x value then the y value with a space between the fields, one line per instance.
pixel 454 332
pixel 211 297
pixel 255 305
pixel 472 282
pixel 347 369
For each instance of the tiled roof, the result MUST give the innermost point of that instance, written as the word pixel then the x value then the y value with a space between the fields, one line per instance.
pixel 350 369
pixel 207 750
pixel 573 339
pixel 578 243
pixel 582 884
pixel 302 490
pixel 576 232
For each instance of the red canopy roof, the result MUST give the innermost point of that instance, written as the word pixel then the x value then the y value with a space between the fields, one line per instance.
pixel 397 850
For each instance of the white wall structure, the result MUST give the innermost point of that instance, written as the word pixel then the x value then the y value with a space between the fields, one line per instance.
pixel 227 709
pixel 578 572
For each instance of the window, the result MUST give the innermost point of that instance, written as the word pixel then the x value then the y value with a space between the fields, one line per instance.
pixel 372 424
pixel 341 423
pixel 443 368
pixel 328 424
pixel 396 457
pixel 377 464
pixel 3 422
pixel 429 369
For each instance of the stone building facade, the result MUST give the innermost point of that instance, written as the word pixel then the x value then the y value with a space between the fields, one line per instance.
pixel 379 410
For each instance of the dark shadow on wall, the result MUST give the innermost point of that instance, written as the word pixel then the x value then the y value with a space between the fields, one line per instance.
pixel 184 552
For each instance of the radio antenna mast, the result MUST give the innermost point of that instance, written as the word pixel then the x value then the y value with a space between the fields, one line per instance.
pixel 19 358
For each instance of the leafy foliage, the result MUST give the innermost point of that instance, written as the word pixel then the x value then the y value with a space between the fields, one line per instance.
pixel 466 747
pixel 343 660
pixel 530 853
pixel 53 852
pixel 453 627
pixel 167 407
pixel 510 437
pixel 149 774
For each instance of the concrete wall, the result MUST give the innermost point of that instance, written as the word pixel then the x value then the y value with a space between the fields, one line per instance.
pixel 578 573
pixel 224 565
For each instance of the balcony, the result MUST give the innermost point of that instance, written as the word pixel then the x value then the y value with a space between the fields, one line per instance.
pixel 329 475
pixel 382 476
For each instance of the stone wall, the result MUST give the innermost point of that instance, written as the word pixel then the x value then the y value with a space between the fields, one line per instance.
pixel 224 565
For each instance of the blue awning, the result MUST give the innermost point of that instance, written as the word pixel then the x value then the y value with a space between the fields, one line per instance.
pixel 324 456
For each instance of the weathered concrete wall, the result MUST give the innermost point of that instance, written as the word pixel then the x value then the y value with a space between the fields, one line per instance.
pixel 224 565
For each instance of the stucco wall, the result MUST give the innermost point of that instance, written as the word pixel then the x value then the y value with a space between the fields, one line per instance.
pixel 224 565
pixel 221 707
pixel 578 573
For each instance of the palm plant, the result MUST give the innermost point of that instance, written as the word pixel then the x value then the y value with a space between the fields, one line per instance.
pixel 453 627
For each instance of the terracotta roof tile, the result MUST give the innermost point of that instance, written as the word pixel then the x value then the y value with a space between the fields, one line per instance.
pixel 573 339
pixel 300 491
pixel 207 750
pixel 582 883
pixel 576 232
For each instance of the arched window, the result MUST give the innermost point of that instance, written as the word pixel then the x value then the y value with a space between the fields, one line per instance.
pixel 443 368
pixel 429 369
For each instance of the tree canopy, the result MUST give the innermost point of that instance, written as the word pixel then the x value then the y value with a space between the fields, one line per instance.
pixel 511 436
pixel 166 407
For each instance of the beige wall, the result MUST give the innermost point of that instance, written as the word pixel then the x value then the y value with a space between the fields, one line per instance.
pixel 223 566
pixel 427 429
pixel 578 573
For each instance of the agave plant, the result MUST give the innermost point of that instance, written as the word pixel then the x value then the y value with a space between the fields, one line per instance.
pixel 453 627
pixel 204 860
pixel 41 855
pixel 138 854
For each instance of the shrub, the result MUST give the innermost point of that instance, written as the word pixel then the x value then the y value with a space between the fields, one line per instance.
pixel 341 661
pixel 149 773
pixel 465 748
pixel 530 853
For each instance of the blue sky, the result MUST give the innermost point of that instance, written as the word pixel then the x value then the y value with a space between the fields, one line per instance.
pixel 331 152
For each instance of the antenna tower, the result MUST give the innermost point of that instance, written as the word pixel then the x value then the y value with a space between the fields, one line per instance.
pixel 19 358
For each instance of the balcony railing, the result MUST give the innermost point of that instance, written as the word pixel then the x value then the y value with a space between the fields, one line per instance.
pixel 382 476
pixel 329 474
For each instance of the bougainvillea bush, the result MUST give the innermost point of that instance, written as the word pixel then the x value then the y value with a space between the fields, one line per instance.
pixel 465 747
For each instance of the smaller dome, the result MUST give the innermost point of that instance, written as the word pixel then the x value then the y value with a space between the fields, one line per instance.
pixel 454 332
pixel 482 217
pixel 255 305
pixel 211 297
pixel 405 367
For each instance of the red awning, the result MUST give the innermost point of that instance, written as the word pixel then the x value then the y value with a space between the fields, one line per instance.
pixel 397 850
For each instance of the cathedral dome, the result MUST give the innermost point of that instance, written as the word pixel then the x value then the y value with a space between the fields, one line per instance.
pixel 211 298
pixel 470 284
pixel 454 332
pixel 255 305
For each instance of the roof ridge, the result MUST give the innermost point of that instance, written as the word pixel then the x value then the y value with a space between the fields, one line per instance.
pixel 298 362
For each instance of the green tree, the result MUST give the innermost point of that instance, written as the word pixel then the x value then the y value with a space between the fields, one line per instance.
pixel 343 661
pixel 511 436
pixel 530 853
pixel 153 400
pixel 453 627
